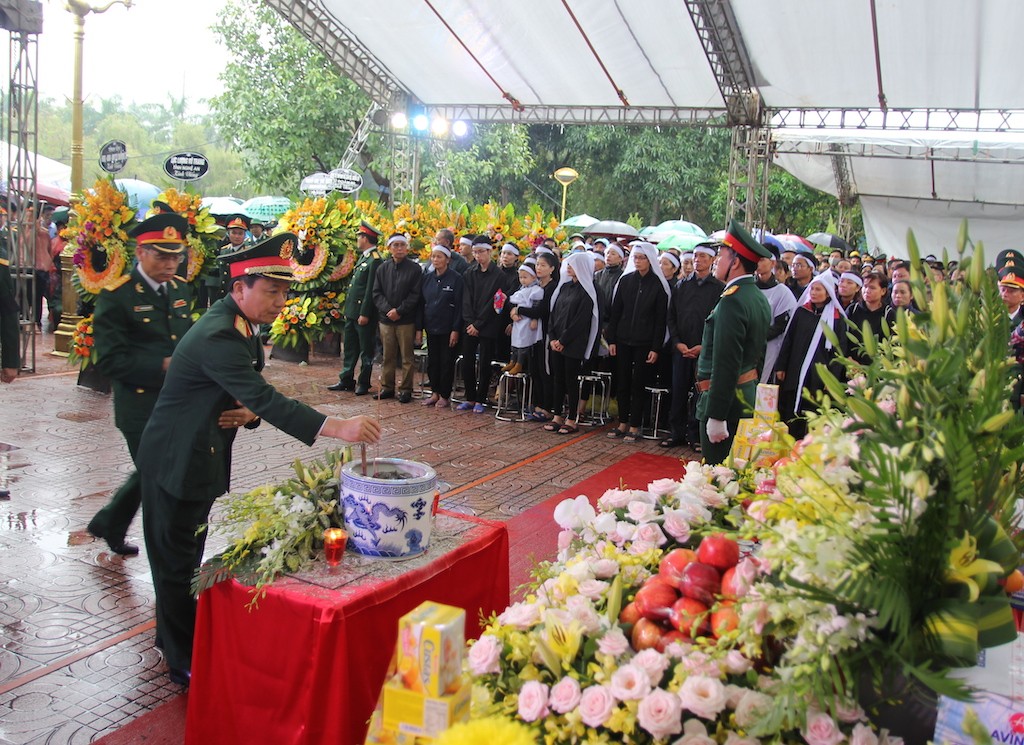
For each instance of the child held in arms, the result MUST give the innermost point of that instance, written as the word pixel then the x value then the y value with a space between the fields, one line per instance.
pixel 525 331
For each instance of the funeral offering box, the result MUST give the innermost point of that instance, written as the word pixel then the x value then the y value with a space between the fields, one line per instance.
pixel 430 643
pixel 416 717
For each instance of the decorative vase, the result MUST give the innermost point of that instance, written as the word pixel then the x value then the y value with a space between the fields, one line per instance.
pixel 91 378
pixel 296 353
pixel 904 706
pixel 389 511
pixel 329 346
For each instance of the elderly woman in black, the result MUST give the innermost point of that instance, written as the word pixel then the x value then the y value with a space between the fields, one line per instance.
pixel 547 276
pixel 572 332
pixel 636 335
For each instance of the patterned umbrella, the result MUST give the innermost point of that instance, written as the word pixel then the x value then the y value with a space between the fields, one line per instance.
pixel 265 208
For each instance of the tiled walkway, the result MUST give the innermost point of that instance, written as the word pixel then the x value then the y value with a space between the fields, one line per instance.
pixel 76 643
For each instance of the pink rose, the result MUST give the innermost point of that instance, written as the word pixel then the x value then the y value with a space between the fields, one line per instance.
pixel 652 662
pixel 848 711
pixel 592 588
pixel 733 739
pixel 659 713
pixel 614 499
pixel 662 487
pixel 613 643
pixel 821 729
pixel 582 610
pixel 623 532
pixel 565 695
pixel 704 696
pixel 596 704
pixel 521 616
pixel 629 682
pixel 638 548
pixel 677 526
pixel 605 568
pixel 695 733
pixel 863 735
pixel 565 539
pixel 735 663
pixel 641 512
pixel 650 533
pixel 485 655
pixel 533 701
pixel 752 707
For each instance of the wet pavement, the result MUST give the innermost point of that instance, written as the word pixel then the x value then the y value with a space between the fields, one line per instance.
pixel 77 659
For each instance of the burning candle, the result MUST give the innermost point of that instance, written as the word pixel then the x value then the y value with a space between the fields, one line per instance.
pixel 334 545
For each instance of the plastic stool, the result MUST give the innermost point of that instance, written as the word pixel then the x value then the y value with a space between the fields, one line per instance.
pixel 600 392
pixel 656 395
pixel 521 385
pixel 457 378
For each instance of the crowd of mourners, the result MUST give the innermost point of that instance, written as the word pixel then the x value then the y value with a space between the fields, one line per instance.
pixel 633 313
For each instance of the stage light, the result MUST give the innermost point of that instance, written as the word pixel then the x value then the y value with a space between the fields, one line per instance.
pixel 460 128
pixel 420 122
pixel 399 120
pixel 439 127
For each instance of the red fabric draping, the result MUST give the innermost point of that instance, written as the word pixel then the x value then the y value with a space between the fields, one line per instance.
pixel 308 664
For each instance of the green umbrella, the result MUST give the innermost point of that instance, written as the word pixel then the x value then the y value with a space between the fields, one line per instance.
pixel 265 208
pixel 578 222
pixel 680 226
pixel 682 241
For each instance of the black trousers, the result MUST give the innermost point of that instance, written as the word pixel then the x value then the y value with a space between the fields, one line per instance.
pixel 114 518
pixel 543 384
pixel 175 552
pixel 634 375
pixel 683 419
pixel 565 372
pixel 476 368
pixel 440 364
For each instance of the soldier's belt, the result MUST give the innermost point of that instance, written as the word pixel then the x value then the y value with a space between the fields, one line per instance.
pixel 703 386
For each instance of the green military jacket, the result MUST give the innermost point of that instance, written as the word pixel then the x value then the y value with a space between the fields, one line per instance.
pixel 135 329
pixel 10 339
pixel 216 364
pixel 735 337
pixel 359 300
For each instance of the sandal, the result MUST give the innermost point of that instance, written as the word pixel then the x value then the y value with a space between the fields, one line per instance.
pixel 631 436
pixel 568 429
pixel 552 427
pixel 539 417
pixel 616 434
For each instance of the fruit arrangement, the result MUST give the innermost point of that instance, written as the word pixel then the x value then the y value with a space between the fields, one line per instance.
pixel 691 597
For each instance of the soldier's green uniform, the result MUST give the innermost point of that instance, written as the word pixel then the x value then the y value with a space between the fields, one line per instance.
pixel 185 456
pixel 135 329
pixel 733 344
pixel 360 342
pixel 10 341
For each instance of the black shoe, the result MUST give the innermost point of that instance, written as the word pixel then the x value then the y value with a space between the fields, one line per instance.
pixel 673 442
pixel 404 397
pixel 383 395
pixel 180 677
pixel 342 386
pixel 362 390
pixel 118 546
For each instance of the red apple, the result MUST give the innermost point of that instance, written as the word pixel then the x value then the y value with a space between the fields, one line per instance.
pixel 656 579
pixel 646 635
pixel 719 551
pixel 630 614
pixel 671 567
pixel 700 582
pixel 724 619
pixel 671 636
pixel 730 585
pixel 690 617
pixel 654 600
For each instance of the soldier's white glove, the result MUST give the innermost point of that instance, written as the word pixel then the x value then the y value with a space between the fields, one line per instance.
pixel 718 430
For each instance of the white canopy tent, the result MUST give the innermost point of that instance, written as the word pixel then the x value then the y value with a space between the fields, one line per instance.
pixel 810 65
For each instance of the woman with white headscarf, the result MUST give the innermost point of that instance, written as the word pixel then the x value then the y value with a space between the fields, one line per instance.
pixel 805 345
pixel 636 334
pixel 572 331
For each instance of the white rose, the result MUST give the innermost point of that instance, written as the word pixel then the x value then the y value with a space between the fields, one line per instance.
pixel 582 610
pixel 659 713
pixel 652 662
pixel 702 695
pixel 629 682
pixel 485 655
pixel 574 513
pixel 751 708
pixel 605 568
pixel 641 512
pixel 733 739
pixel 604 523
pixel 662 487
pixel 521 616
pixel 614 499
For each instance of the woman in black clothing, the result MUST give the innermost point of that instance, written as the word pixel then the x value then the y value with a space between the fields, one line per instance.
pixel 636 335
pixel 572 331
pixel 547 275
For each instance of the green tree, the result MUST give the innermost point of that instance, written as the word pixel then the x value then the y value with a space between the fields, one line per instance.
pixel 494 163
pixel 305 112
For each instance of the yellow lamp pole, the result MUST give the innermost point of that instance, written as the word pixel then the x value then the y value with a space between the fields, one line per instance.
pixel 565 176
pixel 80 9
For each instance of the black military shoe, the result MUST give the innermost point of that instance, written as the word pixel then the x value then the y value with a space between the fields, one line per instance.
pixel 362 390
pixel 180 677
pixel 383 395
pixel 342 386
pixel 404 397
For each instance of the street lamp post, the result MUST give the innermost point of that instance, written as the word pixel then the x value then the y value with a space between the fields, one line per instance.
pixel 565 176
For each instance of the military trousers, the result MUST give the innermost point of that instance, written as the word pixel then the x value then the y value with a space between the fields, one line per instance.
pixel 358 345
pixel 113 520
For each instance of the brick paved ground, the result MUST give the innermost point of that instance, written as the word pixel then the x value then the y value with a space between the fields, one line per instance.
pixel 76 653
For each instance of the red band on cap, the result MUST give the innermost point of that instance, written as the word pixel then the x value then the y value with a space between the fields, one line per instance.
pixel 264 264
pixel 736 245
pixel 167 235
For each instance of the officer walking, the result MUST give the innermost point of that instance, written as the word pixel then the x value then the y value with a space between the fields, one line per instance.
pixel 360 340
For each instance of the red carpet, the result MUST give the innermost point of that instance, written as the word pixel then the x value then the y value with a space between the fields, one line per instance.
pixel 533 535
pixel 165 725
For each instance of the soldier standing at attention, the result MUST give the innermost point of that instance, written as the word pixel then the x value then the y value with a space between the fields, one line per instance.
pixel 732 348
pixel 137 324
pixel 185 452
pixel 360 340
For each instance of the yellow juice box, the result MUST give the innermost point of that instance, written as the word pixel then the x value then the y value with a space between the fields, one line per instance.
pixel 431 639
pixel 413 714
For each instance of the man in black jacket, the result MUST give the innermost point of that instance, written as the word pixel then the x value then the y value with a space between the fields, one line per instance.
pixel 397 293
pixel 692 301
pixel 485 312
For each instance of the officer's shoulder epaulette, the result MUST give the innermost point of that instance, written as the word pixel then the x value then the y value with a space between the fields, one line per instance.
pixel 375 254
pixel 4 262
pixel 181 279
pixel 242 326
pixel 730 291
pixel 118 282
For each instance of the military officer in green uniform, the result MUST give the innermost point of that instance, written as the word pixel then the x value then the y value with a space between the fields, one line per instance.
pixel 360 340
pixel 237 228
pixel 10 339
pixel 732 348
pixel 185 454
pixel 137 323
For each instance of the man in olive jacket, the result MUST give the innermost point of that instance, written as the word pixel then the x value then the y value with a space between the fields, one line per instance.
pixel 360 339
pixel 137 324
pixel 185 453
pixel 732 348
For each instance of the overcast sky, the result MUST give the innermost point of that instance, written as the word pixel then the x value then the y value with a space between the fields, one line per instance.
pixel 149 53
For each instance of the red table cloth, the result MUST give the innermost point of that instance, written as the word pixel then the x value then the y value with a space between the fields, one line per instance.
pixel 308 664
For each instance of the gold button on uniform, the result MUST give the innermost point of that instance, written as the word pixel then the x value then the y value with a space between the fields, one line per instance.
pixel 140 390
pixel 174 337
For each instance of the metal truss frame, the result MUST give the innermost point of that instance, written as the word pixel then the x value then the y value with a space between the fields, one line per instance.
pixel 901 152
pixel 610 115
pixel 928 120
